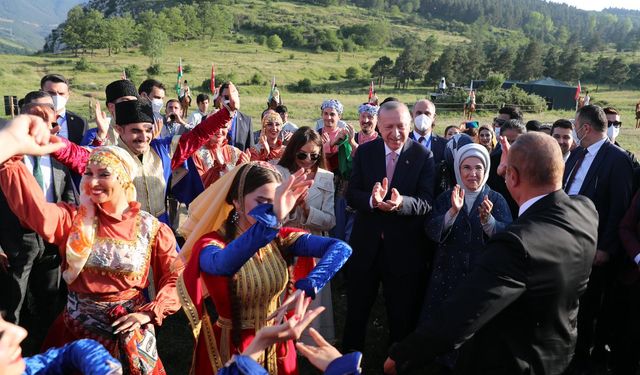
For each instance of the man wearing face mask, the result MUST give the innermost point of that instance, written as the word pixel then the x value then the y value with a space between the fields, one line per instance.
pixel 154 91
pixel 602 172
pixel 613 131
pixel 424 115
pixel 72 126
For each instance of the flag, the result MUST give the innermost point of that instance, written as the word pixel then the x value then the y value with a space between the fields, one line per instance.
pixel 273 87
pixel 179 77
pixel 578 89
pixel 124 74
pixel 370 92
pixel 470 91
pixel 212 84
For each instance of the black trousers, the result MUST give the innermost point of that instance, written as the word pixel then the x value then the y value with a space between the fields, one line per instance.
pixel 403 295
pixel 34 278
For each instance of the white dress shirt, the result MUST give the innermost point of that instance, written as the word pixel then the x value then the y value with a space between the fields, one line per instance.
pixel 525 206
pixel 426 143
pixel 581 174
pixel 47 175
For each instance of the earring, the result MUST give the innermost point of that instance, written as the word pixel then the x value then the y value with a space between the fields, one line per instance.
pixel 235 217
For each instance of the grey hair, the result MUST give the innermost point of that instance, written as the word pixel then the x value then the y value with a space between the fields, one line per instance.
pixel 393 106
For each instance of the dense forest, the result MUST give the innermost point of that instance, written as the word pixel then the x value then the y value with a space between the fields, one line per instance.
pixel 537 37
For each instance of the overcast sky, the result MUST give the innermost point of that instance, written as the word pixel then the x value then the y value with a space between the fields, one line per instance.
pixel 600 4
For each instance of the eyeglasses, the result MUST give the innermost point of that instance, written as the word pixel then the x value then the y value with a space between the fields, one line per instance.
pixel 615 124
pixel 305 155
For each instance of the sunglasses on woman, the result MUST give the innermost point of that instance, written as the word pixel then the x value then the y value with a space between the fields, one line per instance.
pixel 305 155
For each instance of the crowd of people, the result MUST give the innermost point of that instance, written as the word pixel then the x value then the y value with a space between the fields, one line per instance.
pixel 501 248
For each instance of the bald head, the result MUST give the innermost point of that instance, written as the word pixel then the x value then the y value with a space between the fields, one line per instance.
pixel 424 106
pixel 538 161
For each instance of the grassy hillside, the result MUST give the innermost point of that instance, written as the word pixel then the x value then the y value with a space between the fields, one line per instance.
pixel 238 58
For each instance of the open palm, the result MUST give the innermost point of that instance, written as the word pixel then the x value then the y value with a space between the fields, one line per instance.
pixel 288 193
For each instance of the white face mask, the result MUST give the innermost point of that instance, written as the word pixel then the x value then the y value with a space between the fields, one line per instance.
pixel 423 123
pixel 156 105
pixel 577 139
pixel 612 133
pixel 59 102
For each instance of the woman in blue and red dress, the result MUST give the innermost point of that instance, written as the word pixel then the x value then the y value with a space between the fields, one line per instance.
pixel 239 254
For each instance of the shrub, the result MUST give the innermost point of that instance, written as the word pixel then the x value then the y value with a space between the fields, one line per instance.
pixel 261 40
pixel 256 79
pixel 353 72
pixel 132 71
pixel 154 69
pixel 83 65
pixel 274 42
pixel 187 68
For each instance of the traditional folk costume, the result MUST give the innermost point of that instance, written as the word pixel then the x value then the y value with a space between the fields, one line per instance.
pixel 208 166
pixel 106 261
pixel 153 176
pixel 245 277
pixel 258 152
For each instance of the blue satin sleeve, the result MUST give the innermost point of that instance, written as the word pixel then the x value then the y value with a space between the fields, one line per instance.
pixel 348 364
pixel 243 365
pixel 83 356
pixel 214 261
pixel 333 254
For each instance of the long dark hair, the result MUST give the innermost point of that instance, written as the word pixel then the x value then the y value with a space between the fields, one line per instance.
pixel 301 137
pixel 255 177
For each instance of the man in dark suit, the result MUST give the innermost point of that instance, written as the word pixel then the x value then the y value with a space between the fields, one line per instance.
pixel 72 126
pixel 240 134
pixel 602 172
pixel 517 310
pixel 391 188
pixel 424 119
pixel 33 265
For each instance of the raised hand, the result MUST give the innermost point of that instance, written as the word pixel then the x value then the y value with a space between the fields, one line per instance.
pixel 288 192
pixel 457 199
pixel 157 127
pixel 286 136
pixel 325 138
pixel 234 97
pixel 244 157
pixel 321 355
pixel 379 192
pixel 101 121
pixel 27 134
pixel 485 210
pixel 502 167
pixel 264 142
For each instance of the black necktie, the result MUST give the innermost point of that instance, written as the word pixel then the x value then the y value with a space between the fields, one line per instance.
pixel 574 171
pixel 37 171
pixel 421 140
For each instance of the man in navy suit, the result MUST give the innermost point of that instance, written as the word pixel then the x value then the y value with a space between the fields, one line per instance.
pixel 602 172
pixel 240 131
pixel 424 119
pixel 72 126
pixel 391 189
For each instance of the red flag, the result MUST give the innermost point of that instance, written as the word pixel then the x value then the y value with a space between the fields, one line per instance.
pixel 212 84
pixel 578 89
pixel 370 91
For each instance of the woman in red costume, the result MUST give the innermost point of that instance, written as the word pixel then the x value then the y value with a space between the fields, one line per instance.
pixel 108 246
pixel 237 250
pixel 217 157
pixel 270 146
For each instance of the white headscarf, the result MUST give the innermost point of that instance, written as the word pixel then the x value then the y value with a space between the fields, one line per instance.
pixel 468 151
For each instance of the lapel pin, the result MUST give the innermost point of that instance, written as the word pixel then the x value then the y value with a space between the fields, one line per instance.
pixel 406 161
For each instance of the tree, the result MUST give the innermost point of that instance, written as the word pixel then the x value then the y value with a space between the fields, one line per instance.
pixel 153 42
pixel 72 30
pixel 191 19
pixel 381 68
pixel 412 63
pixel 274 42
pixel 218 21
pixel 529 62
pixel 570 68
pixel 618 72
pixel 175 27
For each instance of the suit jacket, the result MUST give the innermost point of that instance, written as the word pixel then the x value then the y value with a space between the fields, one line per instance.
pixel 608 184
pixel 521 300
pixel 243 138
pixel 404 239
pixel 438 144
pixel 12 234
pixel 77 126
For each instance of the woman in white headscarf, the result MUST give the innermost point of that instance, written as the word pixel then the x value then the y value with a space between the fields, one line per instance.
pixel 462 220
pixel 108 245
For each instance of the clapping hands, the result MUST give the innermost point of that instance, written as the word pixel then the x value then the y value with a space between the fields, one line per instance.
pixel 380 191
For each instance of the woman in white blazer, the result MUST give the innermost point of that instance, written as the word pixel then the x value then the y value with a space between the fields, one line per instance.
pixel 314 212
